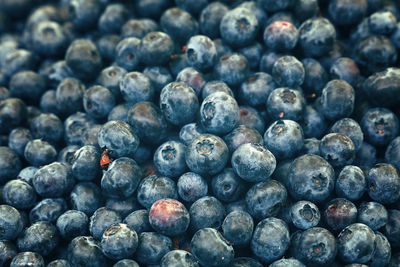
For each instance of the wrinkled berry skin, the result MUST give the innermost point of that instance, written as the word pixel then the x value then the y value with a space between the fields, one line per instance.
pixel 270 239
pixel 383 183
pixel 210 248
pixel 169 217
pixel 86 251
pixel 206 154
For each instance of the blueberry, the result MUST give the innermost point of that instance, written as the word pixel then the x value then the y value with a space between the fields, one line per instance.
pixel 366 155
pixel 270 239
pixel 179 24
pixel 152 247
pixel 84 14
pixel 206 212
pixel 101 219
pixel 138 221
pixel 40 237
pixel 305 9
pixel 291 262
pixel 48 38
pixel 345 13
pixel 138 27
pixel 383 183
pixel 85 197
pixel 72 223
pixel 8 252
pixel 242 135
pixel 251 118
pixel 113 18
pixel 311 146
pixel 179 103
pixel 27 85
pixel 169 217
pixel 281 36
pixel 350 183
pixel 201 52
pixel 19 194
pixel 27 258
pixel 127 53
pixel 210 248
pixel 372 214
pixel 110 78
pixel 86 163
pixel 11 223
pixel 136 87
pixel 86 251
pixel 159 76
pixel 59 263
pixel 305 214
pixel 169 159
pixel 126 263
pixel 98 101
pixel 12 114
pixel 69 95
pixel 227 186
pixel 123 206
pixel 38 152
pixel 191 186
pixel 231 68
pixel 255 90
pixel 18 60
pixel 391 229
pixel 337 99
pixel 206 154
pixel 337 149
pixel 27 174
pixel 74 127
pixel 106 45
pixel 316 247
pixel 178 258
pixel 382 22
pixel 284 138
pixel 119 241
pixel 210 19
pixel 311 178
pixel 339 213
pixel 155 187
pixel 192 77
pixel 315 76
pixel 48 209
pixel 286 103
pixel 10 164
pixel 356 243
pixel 238 228
pixel 383 251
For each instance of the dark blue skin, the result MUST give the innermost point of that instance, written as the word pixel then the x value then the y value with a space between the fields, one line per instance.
pixel 270 239
pixel 222 47
pixel 98 101
pixel 25 258
pixel 53 180
pixel 83 58
pixel 242 135
pixel 112 19
pixel 265 199
pixel 255 90
pixel 156 48
pixel 366 155
pixel 40 237
pixel 159 76
pixel 121 178
pixel 86 251
pixel 74 127
pixel 380 126
pixel 206 154
pixel 56 73
pixel 268 60
pixel 18 60
pixel 110 78
pixel 201 52
pixel 305 215
pixel 311 178
pixel 383 183
pixel 210 248
pixel 337 149
pixel 337 100
pixel 231 68
pixel 315 247
pixel 284 138
pixel 72 223
pixel 119 138
pixel 350 183
pixel 127 53
pixel 119 112
pixel 339 213
pixel 138 28
pixel 382 88
pixel 10 164
pixel 215 86
pixel 392 153
pixel 179 103
pixel 142 154
pixel 8 252
pixel 18 139
pixel 48 39
pixel 253 162
pixel 11 222
pixel 179 24
pixel 281 36
pixel 345 13
pixel 372 214
pixel 126 263
pixel 191 186
pixel 19 194
pixel 252 53
pixel 391 229
pixel 251 118
pixel 239 205
pixel 155 187
pixel 27 174
pixel 138 221
pixel 227 186
pixel 219 113
pixel 206 212
pixel 192 7
pixel 123 206
pixel 84 14
pixel 192 77
pixel 59 263
pixel 245 261
pixel 106 45
pixel 47 127
pixel 311 146
pixel 315 76
pixel 101 220
pixel 238 228
pixel 169 159
pixel 27 85
pixel 288 71
pixel 210 19
pixel 346 69
pixel 395 260
pixel 119 241
pixel 69 95
pixel 383 251
pixel 178 258
pixel 136 87
pixel 85 197
pixel 351 129
pixel 90 136
pixel 286 103
pixel 152 247
pixel 12 114
pixel 382 22
pixel 305 9
pixel 316 36
pixel 86 163
pixel 4 93
pixel 177 63
pixel 148 122
pixel 38 152
pixel 292 262
pixel 356 243
pixel 48 209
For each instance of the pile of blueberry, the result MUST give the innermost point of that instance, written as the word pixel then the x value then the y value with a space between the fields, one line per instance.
pixel 184 133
